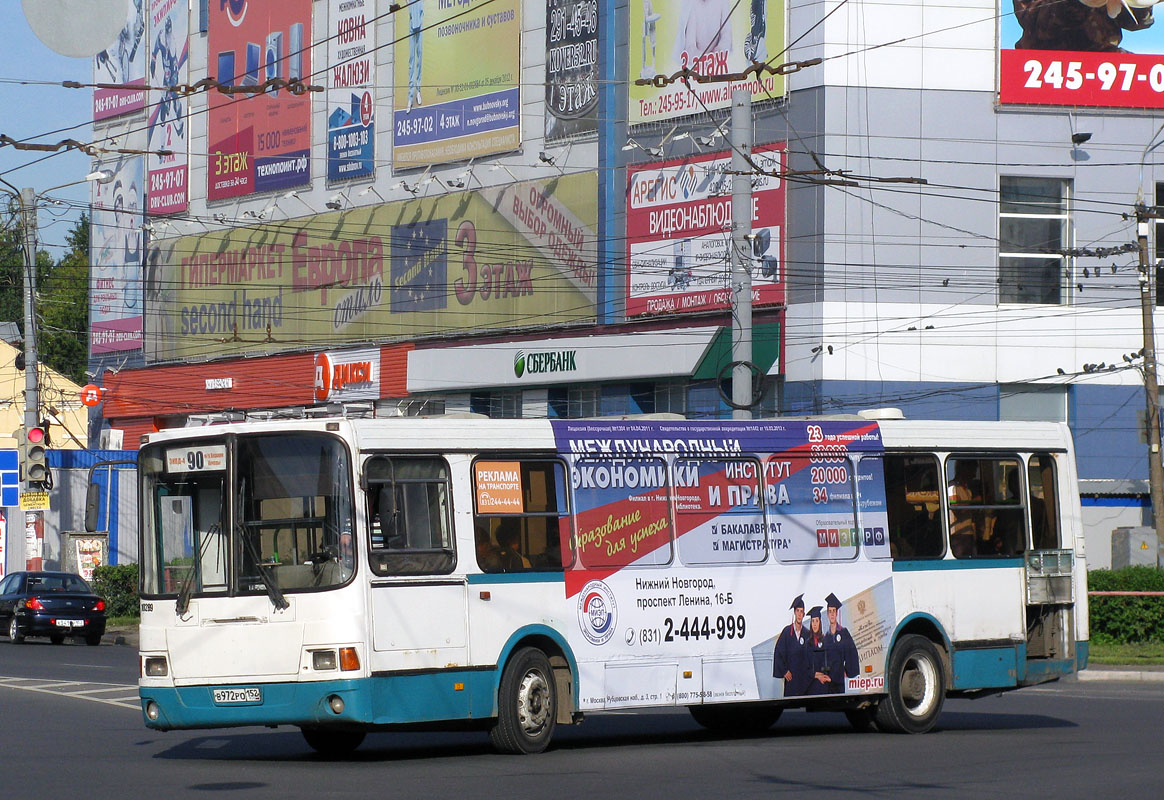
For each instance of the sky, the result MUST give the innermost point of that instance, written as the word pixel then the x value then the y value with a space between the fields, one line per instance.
pixel 29 111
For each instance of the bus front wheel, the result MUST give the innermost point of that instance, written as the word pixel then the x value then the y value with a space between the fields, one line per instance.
pixel 916 680
pixel 332 743
pixel 526 704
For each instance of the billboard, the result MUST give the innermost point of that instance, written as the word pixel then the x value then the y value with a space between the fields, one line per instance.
pixel 511 256
pixel 456 71
pixel 678 225
pixel 169 51
pixel 571 67
pixel 1081 54
pixel 712 37
pixel 115 282
pixel 261 142
pixel 122 62
pixel 351 95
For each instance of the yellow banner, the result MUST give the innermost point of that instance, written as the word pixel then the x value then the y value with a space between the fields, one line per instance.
pixel 34 501
pixel 519 255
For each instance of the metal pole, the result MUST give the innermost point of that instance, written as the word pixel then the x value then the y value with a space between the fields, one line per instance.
pixel 1151 387
pixel 31 385
pixel 741 252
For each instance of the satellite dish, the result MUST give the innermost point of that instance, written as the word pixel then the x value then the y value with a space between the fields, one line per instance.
pixel 76 28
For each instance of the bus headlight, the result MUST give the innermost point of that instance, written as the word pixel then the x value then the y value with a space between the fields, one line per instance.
pixel 323 659
pixel 156 667
pixel 152 711
pixel 336 704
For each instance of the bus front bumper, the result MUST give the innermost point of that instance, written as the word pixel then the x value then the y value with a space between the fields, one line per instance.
pixel 225 706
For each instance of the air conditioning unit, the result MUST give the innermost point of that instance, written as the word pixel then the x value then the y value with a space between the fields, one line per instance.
pixel 111 439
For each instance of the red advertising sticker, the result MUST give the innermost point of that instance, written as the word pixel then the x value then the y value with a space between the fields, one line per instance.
pixel 1075 78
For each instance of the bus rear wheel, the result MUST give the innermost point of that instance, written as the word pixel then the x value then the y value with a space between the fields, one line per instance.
pixel 332 743
pixel 916 681
pixel 736 717
pixel 527 704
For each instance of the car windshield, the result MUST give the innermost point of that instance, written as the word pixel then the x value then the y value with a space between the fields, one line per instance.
pixel 256 514
pixel 57 583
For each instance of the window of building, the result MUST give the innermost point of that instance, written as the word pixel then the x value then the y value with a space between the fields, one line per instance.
pixel 409 516
pixel 1030 403
pixel 987 515
pixel 573 402
pixel 1033 225
pixel 497 404
pixel 521 516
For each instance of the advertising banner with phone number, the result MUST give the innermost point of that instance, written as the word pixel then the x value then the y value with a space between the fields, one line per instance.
pixel 1076 54
pixel 259 142
pixel 683 549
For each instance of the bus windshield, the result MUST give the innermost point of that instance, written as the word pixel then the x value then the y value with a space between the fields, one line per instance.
pixel 249 515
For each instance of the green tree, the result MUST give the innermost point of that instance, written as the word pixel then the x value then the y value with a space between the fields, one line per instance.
pixel 63 307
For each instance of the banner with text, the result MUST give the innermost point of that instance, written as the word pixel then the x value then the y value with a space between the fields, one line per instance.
pixel 678 225
pixel 122 62
pixel 506 257
pixel 703 537
pixel 169 52
pixel 1079 54
pixel 115 277
pixel 261 142
pixel 351 95
pixel 571 67
pixel 711 37
pixel 456 72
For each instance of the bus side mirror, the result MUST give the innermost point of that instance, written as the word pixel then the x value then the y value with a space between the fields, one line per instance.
pixel 92 507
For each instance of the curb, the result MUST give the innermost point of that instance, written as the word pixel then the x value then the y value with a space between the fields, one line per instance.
pixel 1124 675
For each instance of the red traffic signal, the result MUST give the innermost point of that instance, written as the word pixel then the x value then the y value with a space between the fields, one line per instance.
pixel 35 435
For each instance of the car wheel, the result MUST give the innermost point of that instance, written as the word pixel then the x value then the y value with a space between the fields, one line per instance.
pixel 526 704
pixel 57 638
pixel 332 743
pixel 14 633
pixel 916 680
pixel 93 641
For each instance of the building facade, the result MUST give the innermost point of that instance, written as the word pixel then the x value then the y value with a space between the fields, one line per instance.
pixel 481 210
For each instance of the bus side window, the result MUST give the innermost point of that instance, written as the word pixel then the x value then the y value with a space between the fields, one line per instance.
pixel 409 516
pixel 913 506
pixel 987 513
pixel 1043 505
pixel 521 519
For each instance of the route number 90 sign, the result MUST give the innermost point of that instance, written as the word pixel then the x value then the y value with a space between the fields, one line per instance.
pixel 205 458
pixel 1075 78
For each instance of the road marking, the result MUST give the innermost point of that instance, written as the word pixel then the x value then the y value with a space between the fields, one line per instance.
pixel 63 689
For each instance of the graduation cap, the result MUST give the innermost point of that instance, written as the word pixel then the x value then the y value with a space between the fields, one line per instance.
pixel 798 602
pixel 832 601
pixel 815 612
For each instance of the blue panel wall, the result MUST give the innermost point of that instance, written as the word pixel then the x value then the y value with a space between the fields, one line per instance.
pixel 1107 431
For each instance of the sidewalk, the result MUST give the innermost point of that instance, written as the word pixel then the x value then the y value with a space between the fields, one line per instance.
pixel 127 635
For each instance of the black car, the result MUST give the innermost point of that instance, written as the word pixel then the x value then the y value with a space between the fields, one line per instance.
pixel 52 604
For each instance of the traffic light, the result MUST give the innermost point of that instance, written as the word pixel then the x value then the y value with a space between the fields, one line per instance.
pixel 33 444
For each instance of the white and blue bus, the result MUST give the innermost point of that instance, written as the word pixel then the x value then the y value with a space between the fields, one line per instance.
pixel 347 576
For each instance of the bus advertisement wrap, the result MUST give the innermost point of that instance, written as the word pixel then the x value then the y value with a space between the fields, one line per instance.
pixel 351 95
pixel 122 62
pixel 258 142
pixel 456 91
pixel 115 280
pixel 713 37
pixel 510 256
pixel 1079 54
pixel 673 523
pixel 169 50
pixel 678 226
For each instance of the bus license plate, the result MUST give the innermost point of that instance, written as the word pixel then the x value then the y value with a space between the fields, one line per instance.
pixel 248 694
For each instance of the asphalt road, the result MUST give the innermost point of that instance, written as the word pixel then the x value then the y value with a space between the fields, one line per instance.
pixel 69 727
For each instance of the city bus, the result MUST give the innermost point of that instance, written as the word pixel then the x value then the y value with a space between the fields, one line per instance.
pixel 353 575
